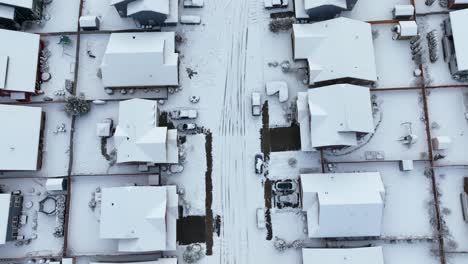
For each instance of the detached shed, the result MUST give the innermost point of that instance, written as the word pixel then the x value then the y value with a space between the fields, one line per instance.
pixel 89 23
pixel 406 30
pixel 403 11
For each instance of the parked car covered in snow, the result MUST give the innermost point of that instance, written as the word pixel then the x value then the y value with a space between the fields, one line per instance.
pixel 259 164
pixel 261 224
pixel 187 127
pixel 256 104
pixel 285 186
pixel 183 114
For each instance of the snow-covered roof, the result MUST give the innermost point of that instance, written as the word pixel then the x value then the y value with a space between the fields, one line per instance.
pixel 404 10
pixel 159 261
pixel 54 184
pixel 370 255
pixel 29 4
pixel 159 6
pixel 407 28
pixel 459 20
pixel 166 7
pixel 337 113
pixel 309 4
pixel 88 21
pixel 139 225
pixel 138 137
pixel 5 199
pixel 145 59
pixel 325 45
pixel 303 117
pixel 343 204
pixel 7 12
pixel 19 137
pixel 22 51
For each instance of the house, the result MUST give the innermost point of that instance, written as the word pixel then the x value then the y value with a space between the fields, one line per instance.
pixel 321 9
pixel 363 255
pixel 343 204
pixel 19 59
pixel 149 12
pixel 14 12
pixel 10 212
pixel 455 42
pixel 140 60
pixel 139 139
pixel 334 116
pixel 21 138
pixel 457 4
pixel 325 45
pixel 159 261
pixel 136 224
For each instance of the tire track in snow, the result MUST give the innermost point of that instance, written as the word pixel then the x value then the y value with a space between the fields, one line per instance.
pixel 233 145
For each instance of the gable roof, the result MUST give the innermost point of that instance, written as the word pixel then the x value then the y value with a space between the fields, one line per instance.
pixel 22 52
pixel 138 137
pixel 19 137
pixel 138 225
pixel 309 4
pixel 367 255
pixel 343 204
pixel 158 6
pixel 459 20
pixel 144 59
pixel 325 45
pixel 337 113
pixel 5 199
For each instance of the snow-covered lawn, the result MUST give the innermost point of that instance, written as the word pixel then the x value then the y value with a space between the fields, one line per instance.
pixel 397 108
pixel 371 10
pixel 450 183
pixel 393 59
pixel 63 17
pixel 46 244
pixel 447 117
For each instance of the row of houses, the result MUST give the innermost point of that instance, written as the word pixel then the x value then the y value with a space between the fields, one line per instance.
pixel 318 10
pixel 13 13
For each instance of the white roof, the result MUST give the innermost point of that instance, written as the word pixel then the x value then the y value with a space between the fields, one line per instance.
pixel 309 4
pixel 337 113
pixel 325 45
pixel 54 184
pixel 303 117
pixel 139 225
pixel 408 28
pixel 5 199
pixel 159 261
pixel 459 20
pixel 22 50
pixel 367 255
pixel 7 12
pixel 404 10
pixel 145 59
pixel 343 204
pixel 19 137
pixel 138 137
pixel 159 6
pixel 88 21
pixel 19 3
